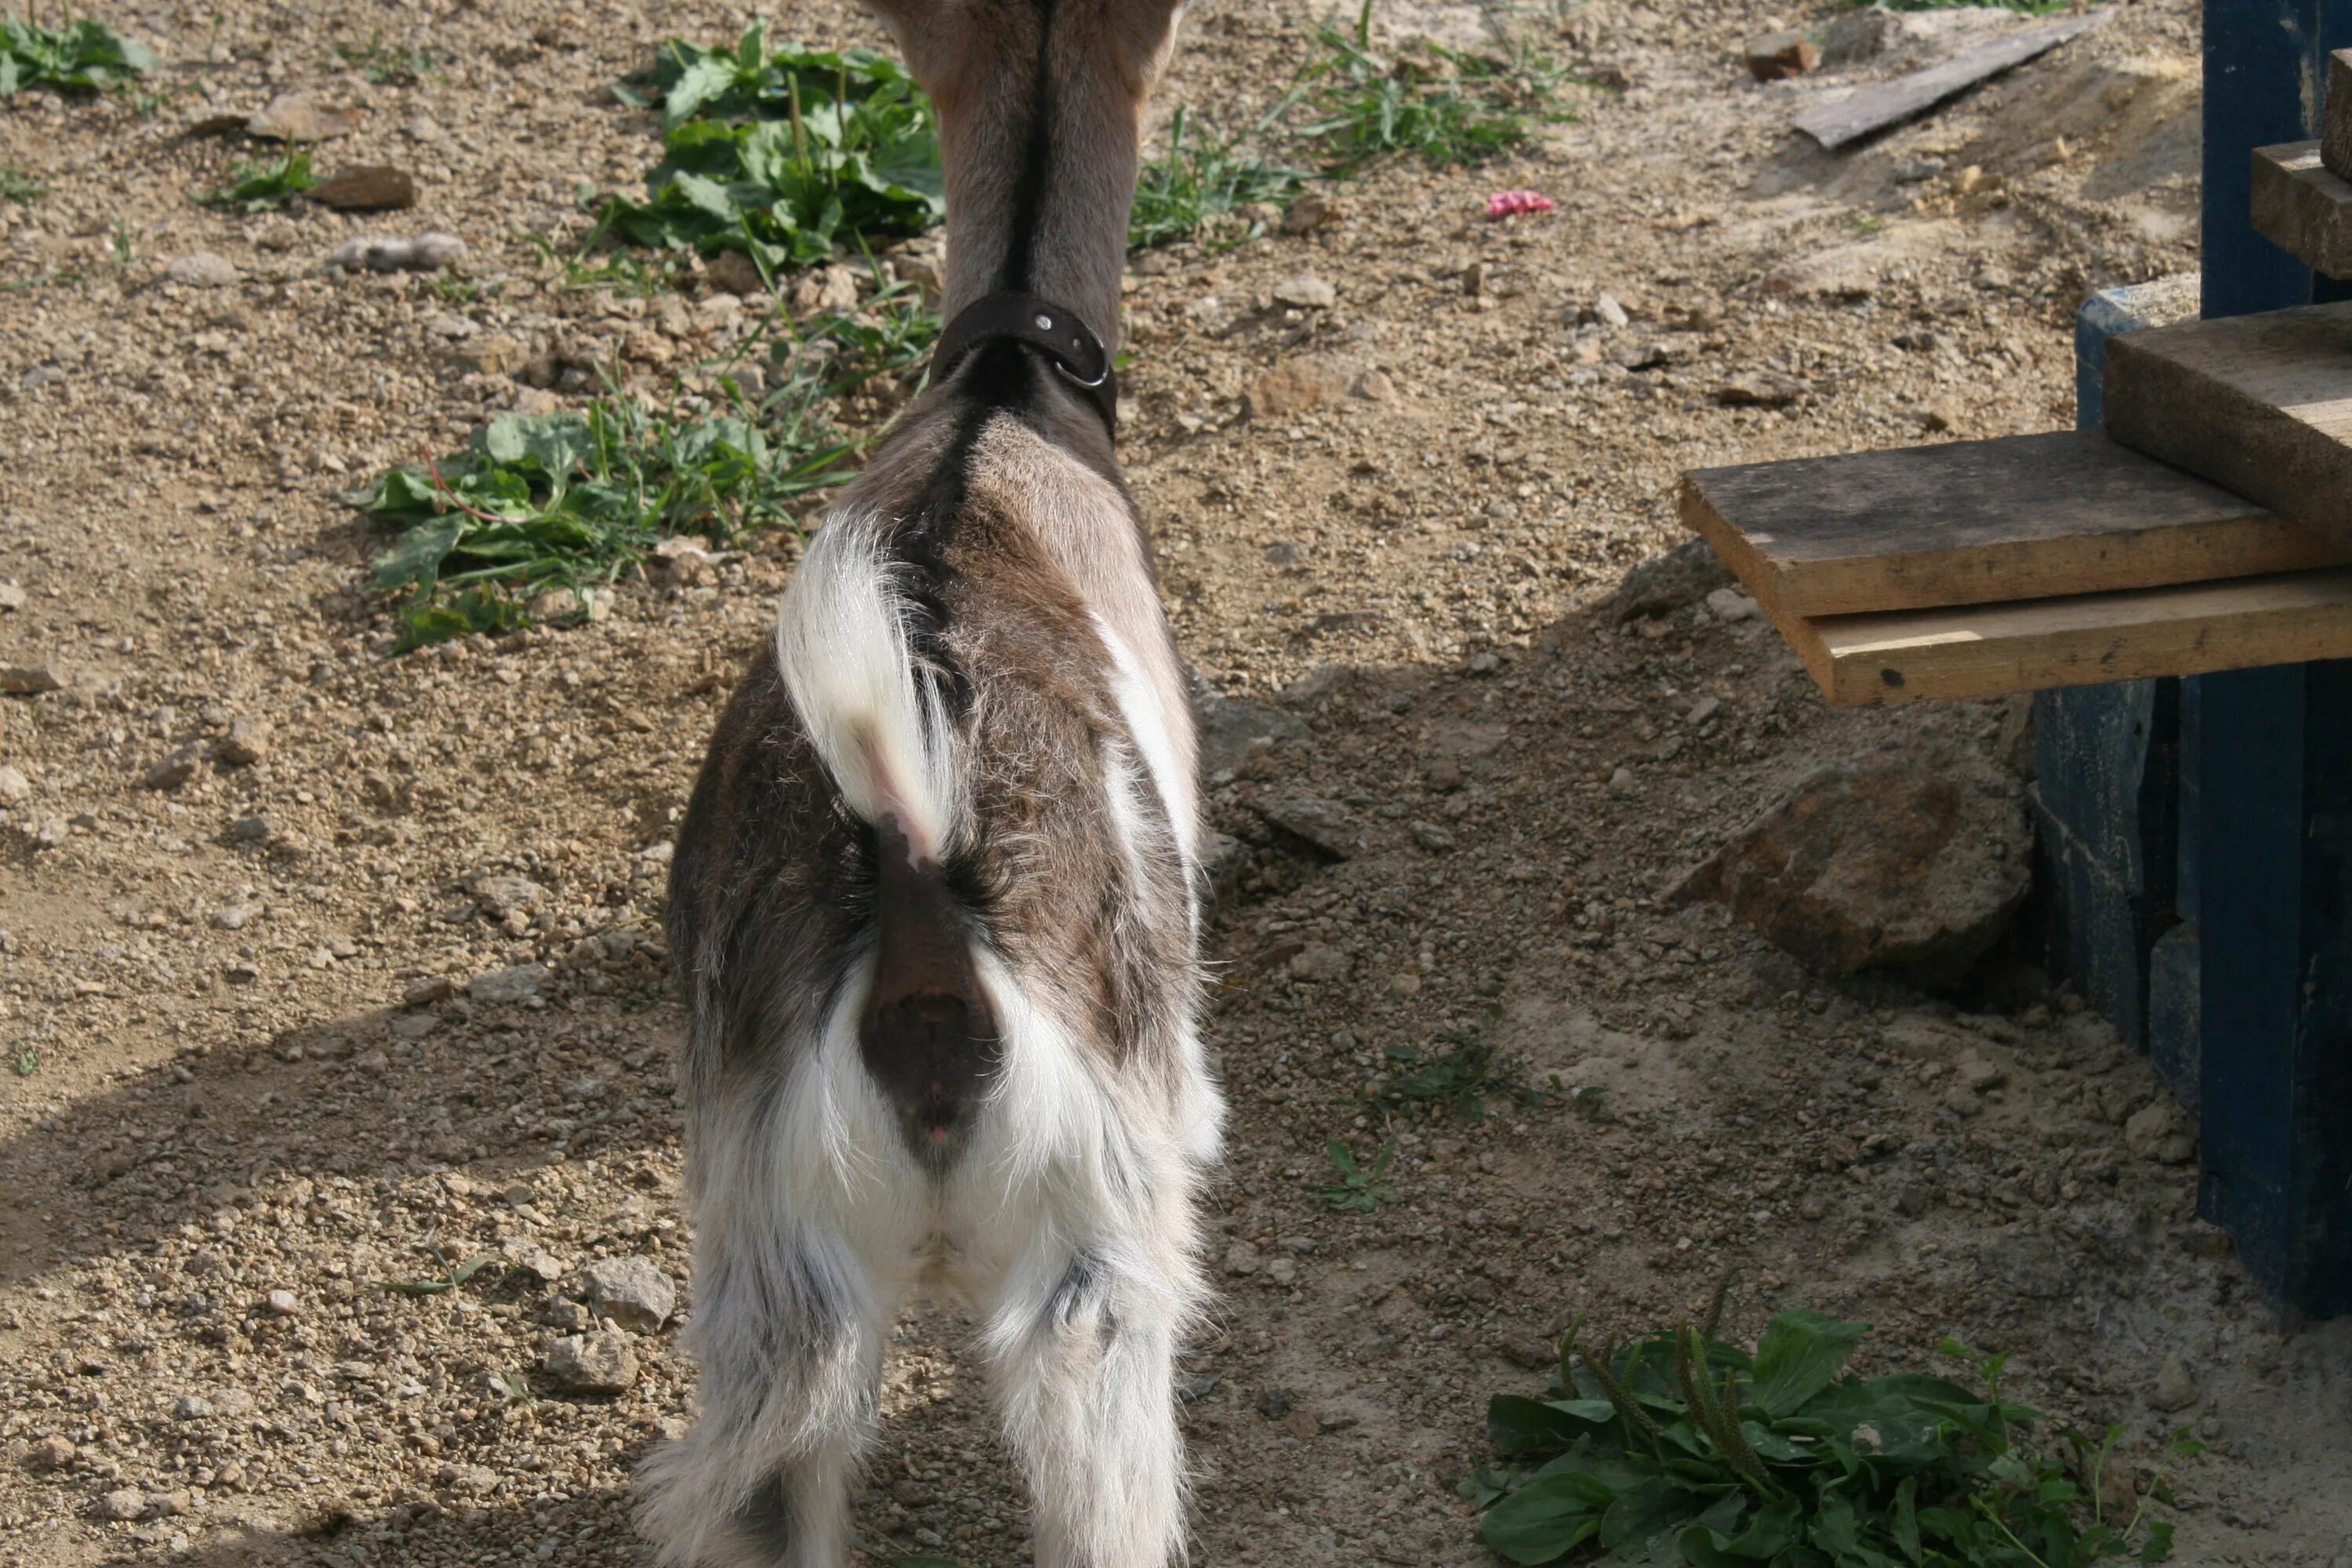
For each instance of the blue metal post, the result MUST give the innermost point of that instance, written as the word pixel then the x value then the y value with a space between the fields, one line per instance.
pixel 2267 773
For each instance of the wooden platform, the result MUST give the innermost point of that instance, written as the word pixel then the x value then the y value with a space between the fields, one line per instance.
pixel 2259 404
pixel 1990 650
pixel 1967 522
pixel 2303 208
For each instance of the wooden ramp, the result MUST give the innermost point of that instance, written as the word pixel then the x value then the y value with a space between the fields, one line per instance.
pixel 1975 569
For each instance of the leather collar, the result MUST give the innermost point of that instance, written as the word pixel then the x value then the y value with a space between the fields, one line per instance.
pixel 1054 330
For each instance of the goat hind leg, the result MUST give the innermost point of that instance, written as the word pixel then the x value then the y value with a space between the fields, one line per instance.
pixel 791 1368
pixel 1082 1361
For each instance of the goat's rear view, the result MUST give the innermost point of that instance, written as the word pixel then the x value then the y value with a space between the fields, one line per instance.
pixel 933 903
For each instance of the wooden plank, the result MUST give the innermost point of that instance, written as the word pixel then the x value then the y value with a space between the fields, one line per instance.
pixel 1969 522
pixel 2260 405
pixel 2336 120
pixel 2303 208
pixel 1886 103
pixel 1990 650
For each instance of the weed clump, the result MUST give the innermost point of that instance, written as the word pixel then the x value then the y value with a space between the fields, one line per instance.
pixel 1682 1448
pixel 78 56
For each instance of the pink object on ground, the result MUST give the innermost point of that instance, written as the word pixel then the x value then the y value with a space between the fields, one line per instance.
pixel 1510 203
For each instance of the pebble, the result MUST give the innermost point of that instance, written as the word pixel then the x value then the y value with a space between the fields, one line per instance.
pixel 2176 1389
pixel 368 188
pixel 53 1453
pixel 52 833
pixel 201 270
pixel 15 789
pixel 1609 312
pixel 191 1407
pixel 1241 1258
pixel 29 680
pixel 246 743
pixel 632 1291
pixel 449 324
pixel 1283 1271
pixel 427 252
pixel 237 916
pixel 512 985
pixel 500 895
pixel 1320 961
pixel 302 116
pixel 1432 837
pixel 250 830
pixel 600 1362
pixel 12 596
pixel 171 771
pixel 1307 291
pixel 283 1303
pixel 1729 604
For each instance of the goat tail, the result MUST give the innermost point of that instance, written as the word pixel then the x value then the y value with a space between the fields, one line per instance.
pixel 845 647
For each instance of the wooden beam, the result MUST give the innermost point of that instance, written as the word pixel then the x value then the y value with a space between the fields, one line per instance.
pixel 2304 209
pixel 1886 103
pixel 1990 650
pixel 2260 405
pixel 1967 522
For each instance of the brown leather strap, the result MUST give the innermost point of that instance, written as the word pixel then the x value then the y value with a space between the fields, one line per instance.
pixel 1054 330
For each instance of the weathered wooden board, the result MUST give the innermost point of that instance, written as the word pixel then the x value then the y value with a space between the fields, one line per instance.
pixel 2304 209
pixel 1969 522
pixel 1886 103
pixel 1990 650
pixel 2336 118
pixel 2259 404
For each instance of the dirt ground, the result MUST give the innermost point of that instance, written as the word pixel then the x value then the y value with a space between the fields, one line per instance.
pixel 256 1052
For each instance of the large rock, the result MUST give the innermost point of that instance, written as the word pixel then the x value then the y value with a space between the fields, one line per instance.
pixel 632 1291
pixel 1664 583
pixel 1912 857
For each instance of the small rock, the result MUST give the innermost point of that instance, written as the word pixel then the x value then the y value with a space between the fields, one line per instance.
pixel 1230 729
pixel 414 1025
pixel 1320 961
pixel 825 291
pixel 1429 836
pixel 236 916
pixel 1728 604
pixel 1282 1272
pixel 29 680
pixel 1310 212
pixel 632 1291
pixel 302 116
pixel 552 604
pixel 1289 389
pixel 1609 312
pixel 173 771
pixel 123 1505
pixel 250 830
pixel 1961 1101
pixel 1241 1259
pixel 732 272
pixel 1321 825
pixel 15 789
pixel 246 743
pixel 281 1303
pixel 1374 385
pixel 425 993
pixel 1307 291
pixel 593 1361
pixel 500 895
pixel 1193 1387
pixel 470 1480
pixel 1760 389
pixel 367 188
pixel 1939 418
pixel 381 253
pixel 1621 781
pixel 451 325
pixel 52 833
pixel 1979 1076
pixel 2175 1388
pixel 492 353
pixel 191 1407
pixel 508 985
pixel 1276 1403
pixel 53 1453
pixel 12 597
pixel 563 1313
pixel 533 1260
pixel 1664 583
pixel 1702 710
pixel 1775 56
pixel 201 270
pixel 2154 1132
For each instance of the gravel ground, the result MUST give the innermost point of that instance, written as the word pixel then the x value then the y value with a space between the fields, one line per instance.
pixel 335 982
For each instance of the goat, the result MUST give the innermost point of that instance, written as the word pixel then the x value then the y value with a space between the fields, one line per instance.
pixel 935 902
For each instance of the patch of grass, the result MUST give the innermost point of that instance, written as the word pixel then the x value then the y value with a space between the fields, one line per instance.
pixel 385 65
pixel 779 154
pixel 78 56
pixel 267 186
pixel 1681 1448
pixel 1192 191
pixel 25 1061
pixel 1441 105
pixel 570 500
pixel 1358 1191
pixel 24 189
pixel 1460 1080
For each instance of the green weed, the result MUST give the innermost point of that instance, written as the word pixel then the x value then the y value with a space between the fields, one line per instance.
pixel 267 186
pixel 779 155
pixel 385 65
pixel 1444 106
pixel 78 56
pixel 449 1281
pixel 1683 1450
pixel 1192 191
pixel 24 189
pixel 1358 1191
pixel 1459 1081
pixel 125 249
pixel 25 1061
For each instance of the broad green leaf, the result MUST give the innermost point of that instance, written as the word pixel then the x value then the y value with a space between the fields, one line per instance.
pixel 1800 1354
pixel 416 555
pixel 1545 1518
